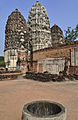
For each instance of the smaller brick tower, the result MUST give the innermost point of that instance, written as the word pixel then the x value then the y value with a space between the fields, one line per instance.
pixel 57 35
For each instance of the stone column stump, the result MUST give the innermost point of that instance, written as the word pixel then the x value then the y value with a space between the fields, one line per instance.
pixel 43 110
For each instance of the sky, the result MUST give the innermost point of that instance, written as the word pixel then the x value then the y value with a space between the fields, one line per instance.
pixel 64 13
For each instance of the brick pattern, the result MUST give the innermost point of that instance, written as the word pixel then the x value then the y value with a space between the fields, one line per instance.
pixel 40 67
pixel 62 51
pixel 23 56
pixel 34 66
pixel 73 70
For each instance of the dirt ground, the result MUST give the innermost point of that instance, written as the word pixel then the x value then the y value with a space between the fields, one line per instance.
pixel 15 93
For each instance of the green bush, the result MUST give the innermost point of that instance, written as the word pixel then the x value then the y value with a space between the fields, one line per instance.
pixel 2 61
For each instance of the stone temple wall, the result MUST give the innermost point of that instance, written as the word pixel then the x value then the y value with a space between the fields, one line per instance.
pixel 62 51
pixel 11 57
pixel 74 57
pixel 52 65
pixel 53 59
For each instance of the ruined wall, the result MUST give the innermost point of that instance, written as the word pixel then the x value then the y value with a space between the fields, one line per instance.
pixel 73 70
pixel 74 57
pixel 54 59
pixel 35 66
pixel 6 75
pixel 53 65
pixel 62 51
pixel 16 60
pixel 22 60
pixel 11 57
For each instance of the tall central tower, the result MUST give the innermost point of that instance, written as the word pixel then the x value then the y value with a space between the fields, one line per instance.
pixel 39 27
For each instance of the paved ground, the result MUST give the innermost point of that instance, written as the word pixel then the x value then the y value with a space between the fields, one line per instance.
pixel 14 94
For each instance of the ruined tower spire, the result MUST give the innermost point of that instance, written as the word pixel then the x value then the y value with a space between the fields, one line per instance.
pixel 39 27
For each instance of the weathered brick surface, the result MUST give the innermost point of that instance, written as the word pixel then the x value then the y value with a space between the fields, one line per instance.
pixel 23 56
pixel 34 66
pixel 62 51
pixel 73 70
pixel 40 68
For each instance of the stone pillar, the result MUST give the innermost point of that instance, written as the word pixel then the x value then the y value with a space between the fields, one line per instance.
pixel 76 56
pixel 72 58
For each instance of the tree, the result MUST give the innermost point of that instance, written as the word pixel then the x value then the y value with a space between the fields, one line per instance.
pixel 71 34
pixel 2 61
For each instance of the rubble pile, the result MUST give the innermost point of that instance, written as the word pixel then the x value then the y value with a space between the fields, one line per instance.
pixel 46 77
pixel 8 77
pixel 4 72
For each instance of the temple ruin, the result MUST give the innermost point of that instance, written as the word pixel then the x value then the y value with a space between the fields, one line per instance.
pixel 39 27
pixel 57 35
pixel 15 39
pixel 35 46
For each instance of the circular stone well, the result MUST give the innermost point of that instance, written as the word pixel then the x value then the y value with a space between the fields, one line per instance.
pixel 42 110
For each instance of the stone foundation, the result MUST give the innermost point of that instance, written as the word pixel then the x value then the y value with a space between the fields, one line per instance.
pixel 9 75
